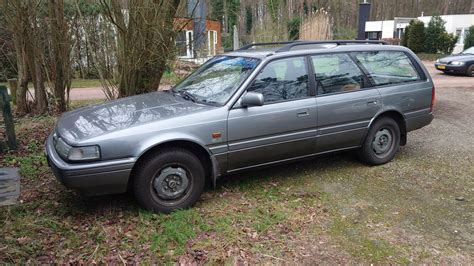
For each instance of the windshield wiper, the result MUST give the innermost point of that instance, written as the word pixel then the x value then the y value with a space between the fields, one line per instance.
pixel 188 96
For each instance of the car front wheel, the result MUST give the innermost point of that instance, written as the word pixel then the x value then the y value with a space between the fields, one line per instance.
pixel 169 180
pixel 470 71
pixel 382 142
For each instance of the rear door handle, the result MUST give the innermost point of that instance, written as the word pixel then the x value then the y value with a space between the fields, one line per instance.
pixel 373 102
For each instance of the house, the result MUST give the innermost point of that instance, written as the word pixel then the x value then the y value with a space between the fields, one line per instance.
pixel 394 29
pixel 186 39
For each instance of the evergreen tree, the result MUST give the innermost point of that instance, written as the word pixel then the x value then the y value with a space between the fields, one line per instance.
pixel 469 38
pixel 447 43
pixel 435 33
pixel 416 36
pixel 248 20
pixel 217 10
pixel 405 36
pixel 294 28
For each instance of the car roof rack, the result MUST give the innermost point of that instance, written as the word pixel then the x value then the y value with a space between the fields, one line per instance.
pixel 287 46
pixel 248 46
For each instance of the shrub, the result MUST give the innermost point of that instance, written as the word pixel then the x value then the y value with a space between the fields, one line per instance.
pixel 469 38
pixel 416 36
pixel 435 34
pixel 447 43
pixel 405 36
pixel 294 28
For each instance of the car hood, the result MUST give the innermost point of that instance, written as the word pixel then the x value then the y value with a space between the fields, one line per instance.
pixel 93 121
pixel 458 57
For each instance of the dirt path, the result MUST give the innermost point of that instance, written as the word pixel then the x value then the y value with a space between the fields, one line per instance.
pixel 440 79
pixel 95 93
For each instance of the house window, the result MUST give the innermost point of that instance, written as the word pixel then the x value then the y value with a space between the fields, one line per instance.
pixel 181 45
pixel 184 44
pixel 373 35
pixel 459 33
pixel 211 42
pixel 400 33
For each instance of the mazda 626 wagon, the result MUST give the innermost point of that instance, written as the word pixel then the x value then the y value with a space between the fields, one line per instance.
pixel 258 106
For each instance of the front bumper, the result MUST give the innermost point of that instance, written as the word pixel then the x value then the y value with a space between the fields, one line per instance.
pixel 450 68
pixel 92 178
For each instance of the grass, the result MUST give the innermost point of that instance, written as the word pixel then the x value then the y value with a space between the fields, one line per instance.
pixel 85 83
pixel 75 83
pixel 329 210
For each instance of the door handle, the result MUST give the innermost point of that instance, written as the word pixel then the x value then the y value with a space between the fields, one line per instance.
pixel 302 114
pixel 372 102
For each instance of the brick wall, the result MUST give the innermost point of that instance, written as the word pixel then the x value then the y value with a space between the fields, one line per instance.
pixel 187 24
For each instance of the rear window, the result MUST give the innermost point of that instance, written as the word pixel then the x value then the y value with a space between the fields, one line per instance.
pixel 336 73
pixel 388 67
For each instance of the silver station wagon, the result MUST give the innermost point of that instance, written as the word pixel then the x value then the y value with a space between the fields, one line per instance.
pixel 258 106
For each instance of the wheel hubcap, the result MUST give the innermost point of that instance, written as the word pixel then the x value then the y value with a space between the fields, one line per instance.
pixel 382 141
pixel 171 183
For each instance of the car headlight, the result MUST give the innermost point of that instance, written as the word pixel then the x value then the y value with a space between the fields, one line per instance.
pixel 456 63
pixel 437 61
pixel 84 153
pixel 68 152
pixel 62 148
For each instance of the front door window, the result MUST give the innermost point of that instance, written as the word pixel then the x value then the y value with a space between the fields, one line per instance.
pixel 282 80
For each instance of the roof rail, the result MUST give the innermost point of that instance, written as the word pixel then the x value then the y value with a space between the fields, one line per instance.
pixel 288 45
pixel 248 46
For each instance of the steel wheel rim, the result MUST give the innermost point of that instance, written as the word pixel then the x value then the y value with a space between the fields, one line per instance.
pixel 177 180
pixel 382 143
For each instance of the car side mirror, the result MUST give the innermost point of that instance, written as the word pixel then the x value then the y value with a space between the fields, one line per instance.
pixel 252 99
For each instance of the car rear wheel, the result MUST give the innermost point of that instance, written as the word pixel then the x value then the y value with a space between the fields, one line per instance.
pixel 382 142
pixel 169 180
pixel 470 71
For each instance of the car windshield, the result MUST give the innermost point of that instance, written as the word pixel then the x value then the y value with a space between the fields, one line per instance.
pixel 216 81
pixel 469 51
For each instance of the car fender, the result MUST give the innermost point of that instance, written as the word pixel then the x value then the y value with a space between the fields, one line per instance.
pixel 160 139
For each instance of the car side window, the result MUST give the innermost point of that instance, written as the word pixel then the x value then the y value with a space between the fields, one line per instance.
pixel 336 73
pixel 282 80
pixel 388 67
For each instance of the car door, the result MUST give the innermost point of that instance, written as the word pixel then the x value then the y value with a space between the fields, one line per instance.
pixel 284 127
pixel 345 102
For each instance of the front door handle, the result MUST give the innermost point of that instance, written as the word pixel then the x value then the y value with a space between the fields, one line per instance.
pixel 302 114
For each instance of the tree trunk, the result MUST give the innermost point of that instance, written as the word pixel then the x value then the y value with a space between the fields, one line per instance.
pixel 22 66
pixel 144 43
pixel 60 52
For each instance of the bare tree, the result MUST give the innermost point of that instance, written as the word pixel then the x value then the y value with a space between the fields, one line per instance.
pixel 60 64
pixel 17 24
pixel 145 41
pixel 22 17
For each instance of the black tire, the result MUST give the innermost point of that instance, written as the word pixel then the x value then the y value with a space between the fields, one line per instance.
pixel 382 142
pixel 153 189
pixel 470 71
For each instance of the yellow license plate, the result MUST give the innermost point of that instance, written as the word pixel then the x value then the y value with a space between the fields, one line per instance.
pixel 441 67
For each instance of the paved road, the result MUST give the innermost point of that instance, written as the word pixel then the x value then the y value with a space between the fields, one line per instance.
pixel 442 80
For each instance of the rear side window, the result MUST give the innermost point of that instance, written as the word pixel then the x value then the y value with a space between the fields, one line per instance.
pixel 336 73
pixel 388 67
pixel 282 80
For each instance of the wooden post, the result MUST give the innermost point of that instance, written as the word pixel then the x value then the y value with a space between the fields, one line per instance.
pixel 13 84
pixel 8 118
